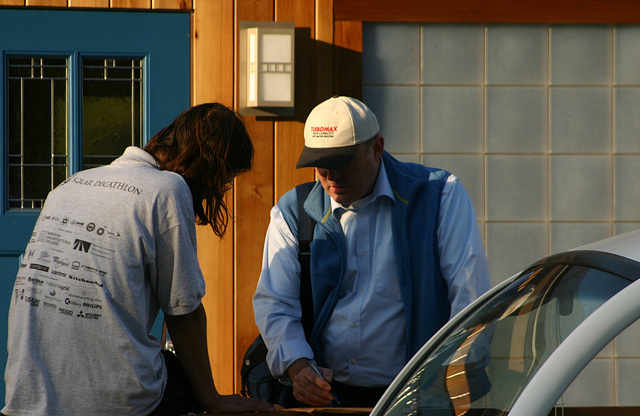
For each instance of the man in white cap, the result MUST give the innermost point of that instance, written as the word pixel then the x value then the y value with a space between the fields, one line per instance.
pixel 396 252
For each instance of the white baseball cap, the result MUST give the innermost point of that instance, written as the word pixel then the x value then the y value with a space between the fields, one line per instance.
pixel 334 130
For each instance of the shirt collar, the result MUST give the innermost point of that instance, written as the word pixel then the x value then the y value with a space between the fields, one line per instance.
pixel 381 189
pixel 136 155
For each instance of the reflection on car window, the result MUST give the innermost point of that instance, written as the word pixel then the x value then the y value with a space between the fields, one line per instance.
pixel 481 367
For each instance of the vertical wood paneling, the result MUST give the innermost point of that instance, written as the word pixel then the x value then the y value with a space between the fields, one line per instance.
pixel 216 260
pixel 212 80
pixel 131 4
pixel 289 139
pixel 47 3
pixel 254 199
pixel 89 3
pixel 213 25
pixel 323 56
pixel 12 2
pixel 347 71
pixel 172 4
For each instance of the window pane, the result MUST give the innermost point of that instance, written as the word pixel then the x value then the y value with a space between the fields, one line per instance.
pixel 111 108
pixel 37 128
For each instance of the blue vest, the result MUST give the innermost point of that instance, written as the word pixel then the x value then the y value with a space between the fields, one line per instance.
pixel 417 190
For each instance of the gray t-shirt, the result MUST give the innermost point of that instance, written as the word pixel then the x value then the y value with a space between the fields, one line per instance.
pixel 112 245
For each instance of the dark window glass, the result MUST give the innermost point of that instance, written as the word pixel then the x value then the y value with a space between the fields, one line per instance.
pixel 37 128
pixel 111 108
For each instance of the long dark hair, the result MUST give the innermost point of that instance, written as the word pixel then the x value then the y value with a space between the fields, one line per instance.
pixel 208 145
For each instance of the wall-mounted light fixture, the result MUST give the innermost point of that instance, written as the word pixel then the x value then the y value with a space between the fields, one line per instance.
pixel 266 68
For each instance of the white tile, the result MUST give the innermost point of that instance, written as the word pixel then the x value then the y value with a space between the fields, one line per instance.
pixel 594 386
pixel 627 54
pixel 390 53
pixel 452 120
pixel 581 188
pixel 628 342
pixel 581 55
pixel 511 247
pixel 469 169
pixel 517 120
pixel 452 54
pixel 628 380
pixel 398 113
pixel 627 194
pixel 591 193
pixel 566 236
pixel 581 120
pixel 625 227
pixel 517 188
pixel 627 120
pixel 517 54
pixel 608 351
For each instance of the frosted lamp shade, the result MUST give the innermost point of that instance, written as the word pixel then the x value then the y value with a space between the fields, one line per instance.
pixel 276 48
pixel 266 68
pixel 276 87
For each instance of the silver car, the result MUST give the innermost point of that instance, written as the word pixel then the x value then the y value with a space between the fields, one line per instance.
pixel 517 349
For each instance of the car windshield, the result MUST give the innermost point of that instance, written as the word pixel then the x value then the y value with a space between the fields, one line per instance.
pixel 483 363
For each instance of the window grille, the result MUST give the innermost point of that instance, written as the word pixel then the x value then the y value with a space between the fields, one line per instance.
pixel 37 128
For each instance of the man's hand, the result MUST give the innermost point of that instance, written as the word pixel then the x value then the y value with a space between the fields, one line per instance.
pixel 308 387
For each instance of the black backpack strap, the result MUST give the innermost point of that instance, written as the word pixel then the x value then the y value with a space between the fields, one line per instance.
pixel 305 235
pixel 257 380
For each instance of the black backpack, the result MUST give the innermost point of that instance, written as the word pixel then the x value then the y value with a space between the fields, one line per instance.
pixel 257 380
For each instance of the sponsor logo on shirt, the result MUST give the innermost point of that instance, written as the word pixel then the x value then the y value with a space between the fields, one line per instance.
pixel 35 281
pixel 81 245
pixel 80 279
pixel 58 262
pixel 49 305
pixel 81 314
pixel 33 301
pixel 36 266
pixel 68 301
pixel 57 273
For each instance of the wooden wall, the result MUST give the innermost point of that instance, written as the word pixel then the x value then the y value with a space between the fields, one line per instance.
pixel 232 264
pixel 328 61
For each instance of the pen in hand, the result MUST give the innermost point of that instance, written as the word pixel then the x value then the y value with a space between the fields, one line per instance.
pixel 315 368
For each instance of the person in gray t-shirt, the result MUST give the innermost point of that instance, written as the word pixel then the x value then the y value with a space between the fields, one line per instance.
pixel 112 246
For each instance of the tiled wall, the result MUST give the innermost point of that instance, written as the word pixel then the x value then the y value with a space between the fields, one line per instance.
pixel 540 122
pixel 612 378
pixel 542 125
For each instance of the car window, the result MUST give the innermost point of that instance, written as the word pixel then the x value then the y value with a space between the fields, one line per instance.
pixel 483 364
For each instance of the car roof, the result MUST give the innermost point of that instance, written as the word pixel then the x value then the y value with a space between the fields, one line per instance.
pixel 625 245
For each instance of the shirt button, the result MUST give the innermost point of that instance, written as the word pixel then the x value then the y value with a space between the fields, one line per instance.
pixel 353 325
pixel 353 361
pixel 362 253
